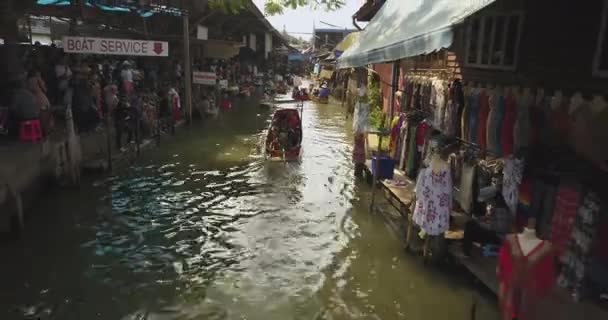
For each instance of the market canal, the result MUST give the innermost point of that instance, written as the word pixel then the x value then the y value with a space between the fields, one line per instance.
pixel 204 228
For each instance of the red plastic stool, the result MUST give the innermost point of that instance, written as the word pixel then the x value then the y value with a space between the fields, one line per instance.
pixel 226 105
pixel 29 131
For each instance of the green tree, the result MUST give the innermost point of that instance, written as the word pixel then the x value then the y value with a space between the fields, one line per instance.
pixel 273 7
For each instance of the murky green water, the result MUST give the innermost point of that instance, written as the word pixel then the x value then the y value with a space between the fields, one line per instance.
pixel 205 228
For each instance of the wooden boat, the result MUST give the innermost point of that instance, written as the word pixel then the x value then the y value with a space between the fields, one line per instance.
pixel 282 88
pixel 321 100
pixel 284 137
pixel 300 95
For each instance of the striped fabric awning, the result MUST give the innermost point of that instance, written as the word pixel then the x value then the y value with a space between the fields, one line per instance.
pixel 406 28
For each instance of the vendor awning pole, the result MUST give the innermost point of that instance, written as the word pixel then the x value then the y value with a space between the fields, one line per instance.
pixel 394 85
pixel 187 69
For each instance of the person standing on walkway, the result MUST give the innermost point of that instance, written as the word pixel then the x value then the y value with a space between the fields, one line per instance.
pixel 37 87
pixel 23 106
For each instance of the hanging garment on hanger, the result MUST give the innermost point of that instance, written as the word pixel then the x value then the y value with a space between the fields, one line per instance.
pixel 474 116
pixel 524 203
pixel 508 125
pixel 540 125
pixel 467 178
pixel 449 114
pixel 401 138
pixel 561 122
pixel 543 201
pixel 394 135
pixel 425 93
pixel 495 125
pixel 407 93
pixel 441 101
pixel 421 135
pixel 491 122
pixel 521 135
pixel 587 130
pixel 566 204
pixel 464 118
pixel 576 259
pixel 484 110
pixel 458 101
pixel 412 151
pixel 404 145
pixel 433 201
pixel 512 176
pixel 362 112
pixel 523 279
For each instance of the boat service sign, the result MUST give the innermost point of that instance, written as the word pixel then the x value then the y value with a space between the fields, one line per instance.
pixel 122 47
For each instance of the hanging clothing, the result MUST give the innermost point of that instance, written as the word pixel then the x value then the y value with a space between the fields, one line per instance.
pixel 458 101
pixel 588 128
pixel 433 201
pixel 566 205
pixel 394 136
pixel 512 176
pixel 543 201
pixel 361 114
pixel 508 125
pixel 403 145
pixel 497 125
pixel 421 133
pixel 523 279
pixel 411 162
pixel 491 124
pixel 440 100
pixel 521 134
pixel 474 116
pixel 561 124
pixel 494 125
pixel 484 110
pixel 467 177
pixel 466 114
pixel 524 203
pixel 576 259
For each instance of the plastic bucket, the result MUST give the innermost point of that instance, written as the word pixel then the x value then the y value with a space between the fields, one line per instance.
pixel 386 167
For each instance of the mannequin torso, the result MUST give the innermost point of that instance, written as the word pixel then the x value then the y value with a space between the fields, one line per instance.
pixel 528 240
pixel 437 164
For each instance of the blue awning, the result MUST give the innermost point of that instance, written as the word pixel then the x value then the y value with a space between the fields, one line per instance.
pixel 94 4
pixel 406 28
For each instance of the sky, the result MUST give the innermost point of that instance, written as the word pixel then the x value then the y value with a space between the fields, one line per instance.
pixel 299 22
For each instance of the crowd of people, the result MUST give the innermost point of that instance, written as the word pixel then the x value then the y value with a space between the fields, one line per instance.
pixel 133 98
pixel 285 131
pixel 140 96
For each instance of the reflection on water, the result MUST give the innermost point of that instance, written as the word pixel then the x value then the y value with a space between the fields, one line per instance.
pixel 204 228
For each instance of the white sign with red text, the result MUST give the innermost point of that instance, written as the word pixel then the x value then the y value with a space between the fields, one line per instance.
pixel 204 78
pixel 121 47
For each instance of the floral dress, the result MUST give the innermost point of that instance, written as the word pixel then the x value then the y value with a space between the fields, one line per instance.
pixel 433 201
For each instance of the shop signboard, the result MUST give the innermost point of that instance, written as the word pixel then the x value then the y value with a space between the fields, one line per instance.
pixel 122 47
pixel 224 84
pixel 204 78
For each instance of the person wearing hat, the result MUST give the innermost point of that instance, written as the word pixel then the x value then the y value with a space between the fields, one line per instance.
pixel 324 91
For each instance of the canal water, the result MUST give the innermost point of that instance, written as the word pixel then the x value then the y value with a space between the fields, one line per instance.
pixel 204 228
